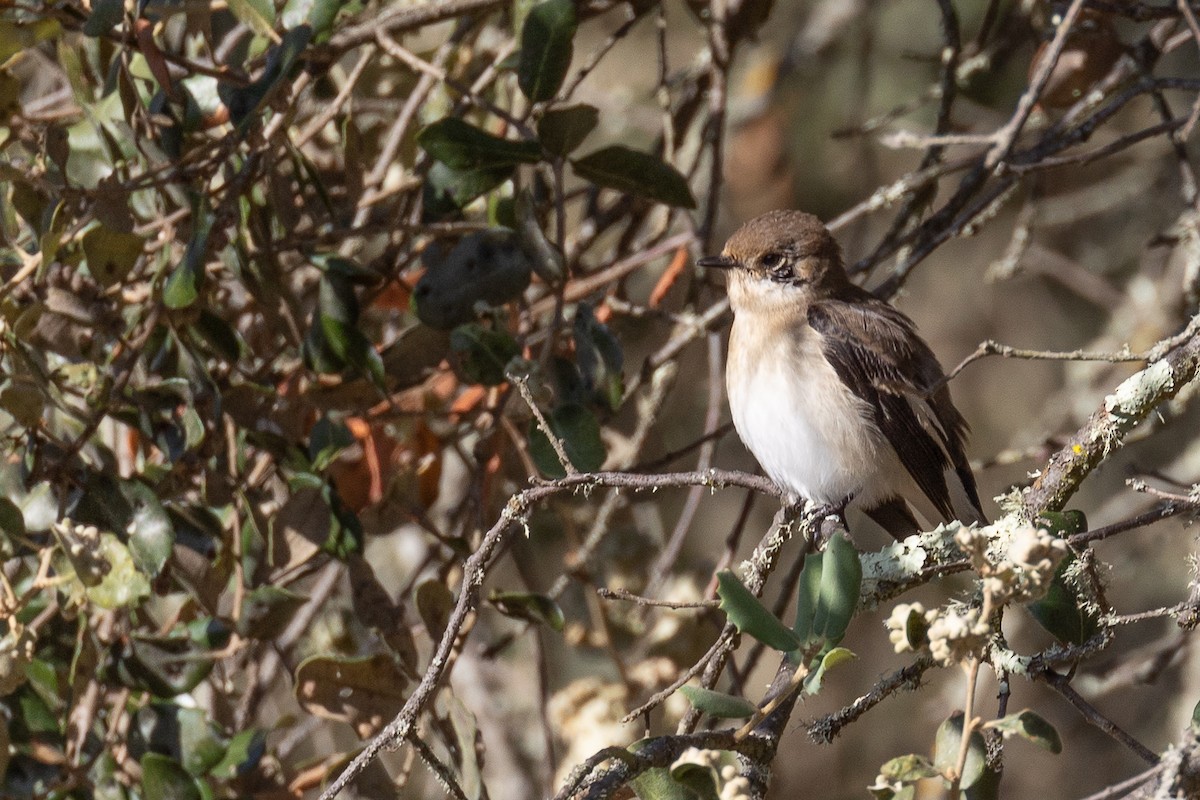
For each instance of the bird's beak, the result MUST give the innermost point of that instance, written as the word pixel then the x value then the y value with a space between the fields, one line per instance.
pixel 716 262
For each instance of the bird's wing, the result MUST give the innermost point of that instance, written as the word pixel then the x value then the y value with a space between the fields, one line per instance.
pixel 875 349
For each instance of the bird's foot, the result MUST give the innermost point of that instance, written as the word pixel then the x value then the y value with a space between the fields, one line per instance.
pixel 828 518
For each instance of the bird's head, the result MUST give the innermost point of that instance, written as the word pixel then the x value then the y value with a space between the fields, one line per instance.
pixel 780 259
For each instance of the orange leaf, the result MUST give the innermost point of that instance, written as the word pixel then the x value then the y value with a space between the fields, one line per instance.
pixel 395 296
pixel 429 464
pixel 359 428
pixel 603 312
pixel 471 397
pixel 217 117
pixel 360 483
pixel 669 276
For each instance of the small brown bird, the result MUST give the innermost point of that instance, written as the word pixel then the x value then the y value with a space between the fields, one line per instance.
pixel 831 388
pixel 1092 49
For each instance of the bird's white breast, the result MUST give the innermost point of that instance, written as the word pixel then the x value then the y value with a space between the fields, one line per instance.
pixel 810 433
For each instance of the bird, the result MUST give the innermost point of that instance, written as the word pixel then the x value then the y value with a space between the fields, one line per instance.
pixel 832 389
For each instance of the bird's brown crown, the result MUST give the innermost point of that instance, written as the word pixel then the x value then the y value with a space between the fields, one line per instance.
pixel 787 247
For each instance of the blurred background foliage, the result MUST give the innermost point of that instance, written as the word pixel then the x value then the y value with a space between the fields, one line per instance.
pixel 278 275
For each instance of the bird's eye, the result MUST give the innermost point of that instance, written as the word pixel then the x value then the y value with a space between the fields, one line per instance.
pixel 772 260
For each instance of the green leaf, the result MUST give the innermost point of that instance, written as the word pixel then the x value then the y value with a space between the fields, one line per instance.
pixel 435 604
pixel 104 17
pixel 321 17
pixel 466 738
pixel 1196 716
pixel 337 314
pixel 632 171
pixel 338 305
pixel 258 15
pixel 164 778
pixel 346 267
pixel 916 630
pixel 483 353
pixel 12 527
pixel 828 594
pixel 267 611
pixel 841 580
pixel 326 441
pixel 750 616
pixel 193 428
pixel 151 533
pixel 529 606
pixel 836 656
pixel 39 507
pixel 1064 523
pixel 700 779
pixel 657 784
pixel 83 545
pixel 599 356
pixel 447 191
pixel 576 427
pixel 808 597
pixel 718 704
pixel 12 521
pixel 1061 612
pixel 986 788
pixel 52 238
pixel 366 692
pixel 909 769
pixel 244 102
pixel 24 401
pixel 1029 725
pixel 123 585
pixel 219 335
pixel 165 665
pixel 244 752
pixel 210 633
pixel 546 48
pixel 184 283
pixel 545 258
pixel 946 750
pixel 200 746
pixel 111 254
pixel 318 354
pixel 462 146
pixel 561 130
pixel 345 529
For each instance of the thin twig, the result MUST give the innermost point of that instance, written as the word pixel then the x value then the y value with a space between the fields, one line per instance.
pixel 475 572
pixel 825 729
pixel 1062 685
pixel 993 348
pixel 670 552
pixel 970 722
pixel 625 594
pixel 1125 786
pixel 442 773
pixel 1129 404
pixel 556 443
pixel 1006 137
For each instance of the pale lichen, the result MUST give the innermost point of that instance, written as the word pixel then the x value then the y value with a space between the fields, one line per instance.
pixel 1136 394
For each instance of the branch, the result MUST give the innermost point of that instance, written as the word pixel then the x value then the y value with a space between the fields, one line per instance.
pixel 824 729
pixel 660 751
pixel 1105 431
pixel 515 515
pixel 1180 774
